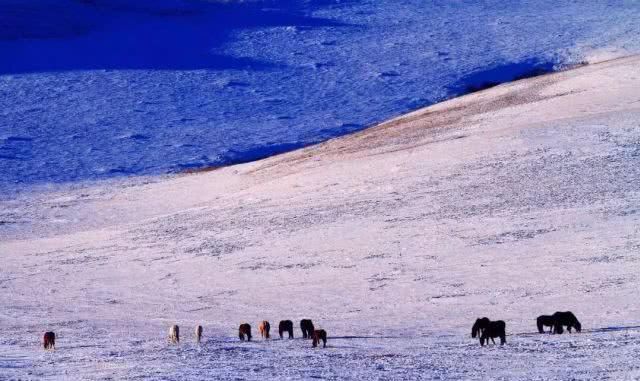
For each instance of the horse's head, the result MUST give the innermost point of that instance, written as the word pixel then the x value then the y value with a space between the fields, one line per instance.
pixel 578 326
pixel 476 328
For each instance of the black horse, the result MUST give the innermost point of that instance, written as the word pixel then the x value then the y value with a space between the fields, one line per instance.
pixel 545 321
pixel 565 319
pixel 286 326
pixel 487 329
pixel 478 326
pixel 307 328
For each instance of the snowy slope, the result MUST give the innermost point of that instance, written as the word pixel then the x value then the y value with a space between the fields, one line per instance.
pixel 509 203
pixel 109 88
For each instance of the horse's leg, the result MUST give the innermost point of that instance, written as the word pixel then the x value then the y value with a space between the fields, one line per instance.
pixel 291 333
pixel 503 339
pixel 241 336
pixel 492 340
pixel 324 343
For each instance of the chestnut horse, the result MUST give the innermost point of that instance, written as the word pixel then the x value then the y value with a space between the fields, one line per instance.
pixel 244 330
pixel 319 334
pixel 174 334
pixel 306 326
pixel 264 329
pixel 285 326
pixel 49 340
pixel 198 333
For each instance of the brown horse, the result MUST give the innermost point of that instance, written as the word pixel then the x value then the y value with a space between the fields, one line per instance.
pixel 174 334
pixel 319 334
pixel 49 340
pixel 264 329
pixel 306 326
pixel 244 330
pixel 285 326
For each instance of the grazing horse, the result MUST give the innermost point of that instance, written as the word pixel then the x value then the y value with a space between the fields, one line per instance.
pixel 488 329
pixel 198 333
pixel 264 329
pixel 285 326
pixel 306 326
pixel 49 340
pixel 479 326
pixel 174 334
pixel 319 334
pixel 545 321
pixel 244 330
pixel 567 319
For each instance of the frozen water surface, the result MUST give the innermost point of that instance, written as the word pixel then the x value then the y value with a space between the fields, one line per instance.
pixel 102 88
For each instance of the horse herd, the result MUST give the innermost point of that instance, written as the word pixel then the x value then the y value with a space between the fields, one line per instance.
pixel 486 329
pixel 244 332
pixel 483 328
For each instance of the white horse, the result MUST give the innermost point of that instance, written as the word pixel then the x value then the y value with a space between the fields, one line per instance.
pixel 198 333
pixel 174 334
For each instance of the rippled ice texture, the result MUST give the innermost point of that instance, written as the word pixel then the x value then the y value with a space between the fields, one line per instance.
pixel 100 88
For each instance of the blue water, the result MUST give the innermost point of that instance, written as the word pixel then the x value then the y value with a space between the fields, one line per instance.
pixel 101 88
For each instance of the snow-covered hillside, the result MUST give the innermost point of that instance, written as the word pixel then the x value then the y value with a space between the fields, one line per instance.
pixel 509 203
pixel 101 88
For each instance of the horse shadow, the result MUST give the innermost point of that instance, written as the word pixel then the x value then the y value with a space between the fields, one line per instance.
pixel 612 329
pixel 592 330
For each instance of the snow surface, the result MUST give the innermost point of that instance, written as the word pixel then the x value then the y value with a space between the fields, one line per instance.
pixel 109 88
pixel 509 203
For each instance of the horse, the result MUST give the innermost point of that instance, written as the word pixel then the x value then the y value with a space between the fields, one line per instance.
pixel 545 321
pixel 244 330
pixel 264 329
pixel 319 334
pixel 174 334
pixel 478 326
pixel 285 326
pixel 488 329
pixel 49 340
pixel 198 333
pixel 567 319
pixel 306 326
